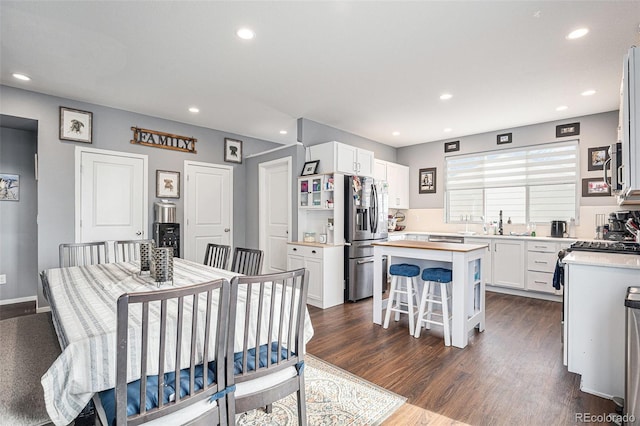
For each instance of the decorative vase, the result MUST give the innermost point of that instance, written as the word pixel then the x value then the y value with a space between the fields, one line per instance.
pixel 162 265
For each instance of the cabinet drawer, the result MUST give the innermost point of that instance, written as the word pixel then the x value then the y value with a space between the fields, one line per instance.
pixel 542 246
pixel 306 251
pixel 540 281
pixel 542 262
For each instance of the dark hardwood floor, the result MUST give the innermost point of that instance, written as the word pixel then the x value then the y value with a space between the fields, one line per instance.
pixel 510 374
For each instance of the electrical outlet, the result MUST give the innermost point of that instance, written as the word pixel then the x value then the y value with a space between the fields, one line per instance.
pixel 3 278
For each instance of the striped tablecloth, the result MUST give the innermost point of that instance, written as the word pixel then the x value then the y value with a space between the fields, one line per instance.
pixel 83 304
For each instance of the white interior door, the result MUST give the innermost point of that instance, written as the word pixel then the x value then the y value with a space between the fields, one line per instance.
pixel 111 195
pixel 208 206
pixel 274 211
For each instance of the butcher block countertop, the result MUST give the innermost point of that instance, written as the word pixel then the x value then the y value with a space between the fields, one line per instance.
pixel 427 245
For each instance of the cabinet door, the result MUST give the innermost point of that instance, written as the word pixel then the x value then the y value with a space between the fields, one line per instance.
pixel 508 263
pixel 398 179
pixel 347 159
pixel 380 170
pixel 314 266
pixel 364 162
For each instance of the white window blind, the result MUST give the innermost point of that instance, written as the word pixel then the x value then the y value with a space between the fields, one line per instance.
pixel 534 184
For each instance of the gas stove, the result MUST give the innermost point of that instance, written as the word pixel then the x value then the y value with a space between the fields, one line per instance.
pixel 620 247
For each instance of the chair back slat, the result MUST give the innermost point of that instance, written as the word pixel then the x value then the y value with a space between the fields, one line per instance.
pixel 247 261
pixel 217 255
pixel 128 250
pixel 268 334
pixel 180 329
pixel 83 254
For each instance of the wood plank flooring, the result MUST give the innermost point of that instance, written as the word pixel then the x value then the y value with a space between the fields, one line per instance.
pixel 511 374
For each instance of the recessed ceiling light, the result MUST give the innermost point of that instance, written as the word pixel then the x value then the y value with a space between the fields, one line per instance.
pixel 448 129
pixel 580 32
pixel 283 132
pixel 588 92
pixel 194 109
pixel 446 96
pixel 396 133
pixel 21 76
pixel 562 108
pixel 245 33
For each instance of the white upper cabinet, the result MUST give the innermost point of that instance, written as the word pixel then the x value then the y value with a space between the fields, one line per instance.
pixel 342 158
pixel 397 177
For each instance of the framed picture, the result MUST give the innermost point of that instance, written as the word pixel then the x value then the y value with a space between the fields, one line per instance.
pixel 597 157
pixel 503 138
pixel 232 150
pixel 9 187
pixel 427 182
pixel 571 129
pixel 310 168
pixel 76 125
pixel 595 187
pixel 452 146
pixel 167 184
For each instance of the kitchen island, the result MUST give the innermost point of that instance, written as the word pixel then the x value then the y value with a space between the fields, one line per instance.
pixel 467 290
pixel 594 328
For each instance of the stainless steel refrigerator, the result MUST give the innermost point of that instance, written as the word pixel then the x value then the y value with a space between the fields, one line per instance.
pixel 365 222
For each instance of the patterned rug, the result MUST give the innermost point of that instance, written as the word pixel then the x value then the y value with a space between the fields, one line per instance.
pixel 334 397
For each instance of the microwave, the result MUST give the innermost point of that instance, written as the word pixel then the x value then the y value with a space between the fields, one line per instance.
pixel 625 161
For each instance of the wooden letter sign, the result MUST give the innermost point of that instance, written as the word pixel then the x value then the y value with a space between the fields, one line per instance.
pixel 163 140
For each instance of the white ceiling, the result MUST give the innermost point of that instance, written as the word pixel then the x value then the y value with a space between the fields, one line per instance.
pixel 369 68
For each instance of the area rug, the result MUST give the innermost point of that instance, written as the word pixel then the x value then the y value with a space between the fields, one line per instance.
pixel 334 397
pixel 28 346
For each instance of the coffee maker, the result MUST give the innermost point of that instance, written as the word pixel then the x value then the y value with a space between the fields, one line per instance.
pixel 617 230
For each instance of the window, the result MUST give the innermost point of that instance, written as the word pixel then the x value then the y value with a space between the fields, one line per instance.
pixel 534 184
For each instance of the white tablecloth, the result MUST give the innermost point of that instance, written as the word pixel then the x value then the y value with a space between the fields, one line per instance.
pixel 83 303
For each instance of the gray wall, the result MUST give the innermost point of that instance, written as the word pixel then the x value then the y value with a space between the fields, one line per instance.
pixel 112 131
pixel 312 133
pixel 595 130
pixel 18 234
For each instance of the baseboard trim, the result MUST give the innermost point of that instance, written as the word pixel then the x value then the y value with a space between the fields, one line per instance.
pixel 524 293
pixel 19 300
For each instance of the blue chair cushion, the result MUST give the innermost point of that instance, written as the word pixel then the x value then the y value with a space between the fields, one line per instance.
pixel 439 275
pixel 108 397
pixel 404 270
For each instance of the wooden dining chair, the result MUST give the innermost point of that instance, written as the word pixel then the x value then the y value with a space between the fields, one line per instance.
pixel 160 339
pixel 217 255
pixel 83 254
pixel 247 261
pixel 271 326
pixel 128 250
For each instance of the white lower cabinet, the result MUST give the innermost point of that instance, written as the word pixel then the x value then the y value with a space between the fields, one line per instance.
pixel 508 263
pixel 326 272
pixel 542 258
pixel 486 262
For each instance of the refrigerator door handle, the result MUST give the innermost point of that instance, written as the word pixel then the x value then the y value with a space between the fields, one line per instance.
pixel 373 218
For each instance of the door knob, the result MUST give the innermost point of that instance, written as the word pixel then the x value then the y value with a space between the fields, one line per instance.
pixel 139 233
pixel 227 229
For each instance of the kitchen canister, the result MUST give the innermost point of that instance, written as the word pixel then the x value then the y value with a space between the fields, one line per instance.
pixel 146 252
pixel 162 265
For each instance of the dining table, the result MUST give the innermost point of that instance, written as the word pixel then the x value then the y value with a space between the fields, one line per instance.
pixel 467 288
pixel 83 303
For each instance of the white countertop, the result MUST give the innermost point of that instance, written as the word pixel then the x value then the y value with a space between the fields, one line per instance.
pixel 611 260
pixel 467 235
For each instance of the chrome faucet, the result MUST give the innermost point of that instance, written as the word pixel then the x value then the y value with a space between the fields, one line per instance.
pixel 500 230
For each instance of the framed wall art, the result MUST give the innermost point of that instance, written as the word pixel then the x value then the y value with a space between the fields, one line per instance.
pixel 76 125
pixel 452 146
pixel 504 138
pixel 232 150
pixel 571 129
pixel 595 187
pixel 597 156
pixel 427 182
pixel 310 168
pixel 167 184
pixel 9 187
